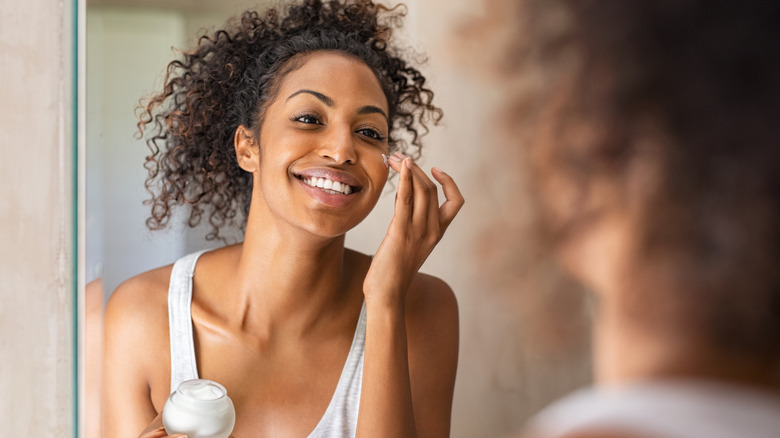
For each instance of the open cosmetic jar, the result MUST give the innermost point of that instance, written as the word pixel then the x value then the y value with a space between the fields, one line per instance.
pixel 201 409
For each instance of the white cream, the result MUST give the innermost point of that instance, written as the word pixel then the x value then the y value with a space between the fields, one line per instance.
pixel 201 409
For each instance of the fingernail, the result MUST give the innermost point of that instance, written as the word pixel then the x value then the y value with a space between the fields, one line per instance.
pixel 436 169
pixel 409 163
pixel 395 157
pixel 384 158
pixel 399 155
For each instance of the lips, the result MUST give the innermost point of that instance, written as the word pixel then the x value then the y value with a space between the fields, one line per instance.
pixel 330 186
pixel 330 181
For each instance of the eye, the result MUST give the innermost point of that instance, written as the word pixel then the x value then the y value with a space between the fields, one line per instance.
pixel 308 119
pixel 371 133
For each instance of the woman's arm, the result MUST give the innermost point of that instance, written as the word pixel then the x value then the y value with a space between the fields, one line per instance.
pixel 393 404
pixel 132 330
pixel 432 333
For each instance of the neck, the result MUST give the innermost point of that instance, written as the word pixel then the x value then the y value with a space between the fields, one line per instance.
pixel 629 348
pixel 288 279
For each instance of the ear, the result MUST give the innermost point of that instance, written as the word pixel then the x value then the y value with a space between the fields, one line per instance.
pixel 247 149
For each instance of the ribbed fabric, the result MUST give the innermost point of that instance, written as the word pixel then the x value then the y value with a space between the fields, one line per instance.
pixel 340 418
pixel 665 409
pixel 183 366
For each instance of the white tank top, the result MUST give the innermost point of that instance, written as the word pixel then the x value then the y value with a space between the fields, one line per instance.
pixel 340 418
pixel 665 409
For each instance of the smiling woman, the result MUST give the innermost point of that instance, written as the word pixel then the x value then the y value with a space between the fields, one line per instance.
pixel 348 129
pixel 281 125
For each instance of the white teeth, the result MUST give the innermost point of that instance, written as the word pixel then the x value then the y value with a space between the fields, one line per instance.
pixel 328 185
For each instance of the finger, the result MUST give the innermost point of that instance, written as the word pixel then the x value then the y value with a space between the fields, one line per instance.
pixel 424 196
pixel 454 199
pixel 161 433
pixel 395 161
pixel 433 210
pixel 154 428
pixel 404 197
pixel 429 205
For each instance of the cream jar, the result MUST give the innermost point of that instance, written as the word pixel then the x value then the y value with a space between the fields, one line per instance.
pixel 201 409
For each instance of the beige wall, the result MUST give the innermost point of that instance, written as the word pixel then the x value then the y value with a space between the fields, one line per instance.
pixel 36 211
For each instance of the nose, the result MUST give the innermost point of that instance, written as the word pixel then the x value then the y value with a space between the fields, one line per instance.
pixel 338 146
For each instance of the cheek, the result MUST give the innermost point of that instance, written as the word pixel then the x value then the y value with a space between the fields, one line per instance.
pixel 277 152
pixel 377 171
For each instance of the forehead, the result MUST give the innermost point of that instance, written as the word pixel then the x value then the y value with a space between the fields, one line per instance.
pixel 343 78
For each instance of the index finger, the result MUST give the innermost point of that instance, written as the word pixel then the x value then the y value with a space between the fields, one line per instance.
pixel 155 429
pixel 454 199
pixel 155 426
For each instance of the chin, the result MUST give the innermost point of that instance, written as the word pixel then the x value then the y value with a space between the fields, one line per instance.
pixel 331 229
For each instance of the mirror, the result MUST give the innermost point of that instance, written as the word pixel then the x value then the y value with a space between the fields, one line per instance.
pixel 509 366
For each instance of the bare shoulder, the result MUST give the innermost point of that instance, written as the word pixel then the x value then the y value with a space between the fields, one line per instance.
pixel 136 318
pixel 432 322
pixel 589 434
pixel 136 357
pixel 431 299
pixel 605 434
pixel 142 296
pixel 432 335
pixel 431 306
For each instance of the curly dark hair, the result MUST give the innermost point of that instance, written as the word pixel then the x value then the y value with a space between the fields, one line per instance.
pixel 231 78
pixel 680 101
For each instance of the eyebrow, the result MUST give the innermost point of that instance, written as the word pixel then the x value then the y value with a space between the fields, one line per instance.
pixel 325 99
pixel 367 109
pixel 371 109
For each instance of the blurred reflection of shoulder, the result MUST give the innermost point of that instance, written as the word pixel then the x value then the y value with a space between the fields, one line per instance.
pixel 663 409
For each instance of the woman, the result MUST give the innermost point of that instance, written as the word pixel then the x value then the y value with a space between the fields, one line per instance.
pixel 653 136
pixel 287 120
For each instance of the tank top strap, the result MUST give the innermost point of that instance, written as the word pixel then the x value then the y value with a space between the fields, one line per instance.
pixel 340 418
pixel 183 366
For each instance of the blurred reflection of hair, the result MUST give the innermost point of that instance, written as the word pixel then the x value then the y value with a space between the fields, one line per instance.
pixel 652 134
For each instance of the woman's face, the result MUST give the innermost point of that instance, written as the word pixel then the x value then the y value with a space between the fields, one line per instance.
pixel 319 163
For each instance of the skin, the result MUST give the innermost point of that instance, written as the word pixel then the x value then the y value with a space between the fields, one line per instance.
pixel 274 316
pixel 93 329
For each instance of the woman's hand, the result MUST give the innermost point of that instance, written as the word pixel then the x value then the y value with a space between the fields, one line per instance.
pixel 417 226
pixel 155 429
pixel 386 408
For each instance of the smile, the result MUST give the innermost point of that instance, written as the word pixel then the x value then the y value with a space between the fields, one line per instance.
pixel 328 185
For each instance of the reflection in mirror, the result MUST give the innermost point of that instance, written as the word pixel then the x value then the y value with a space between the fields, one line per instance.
pixel 509 366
